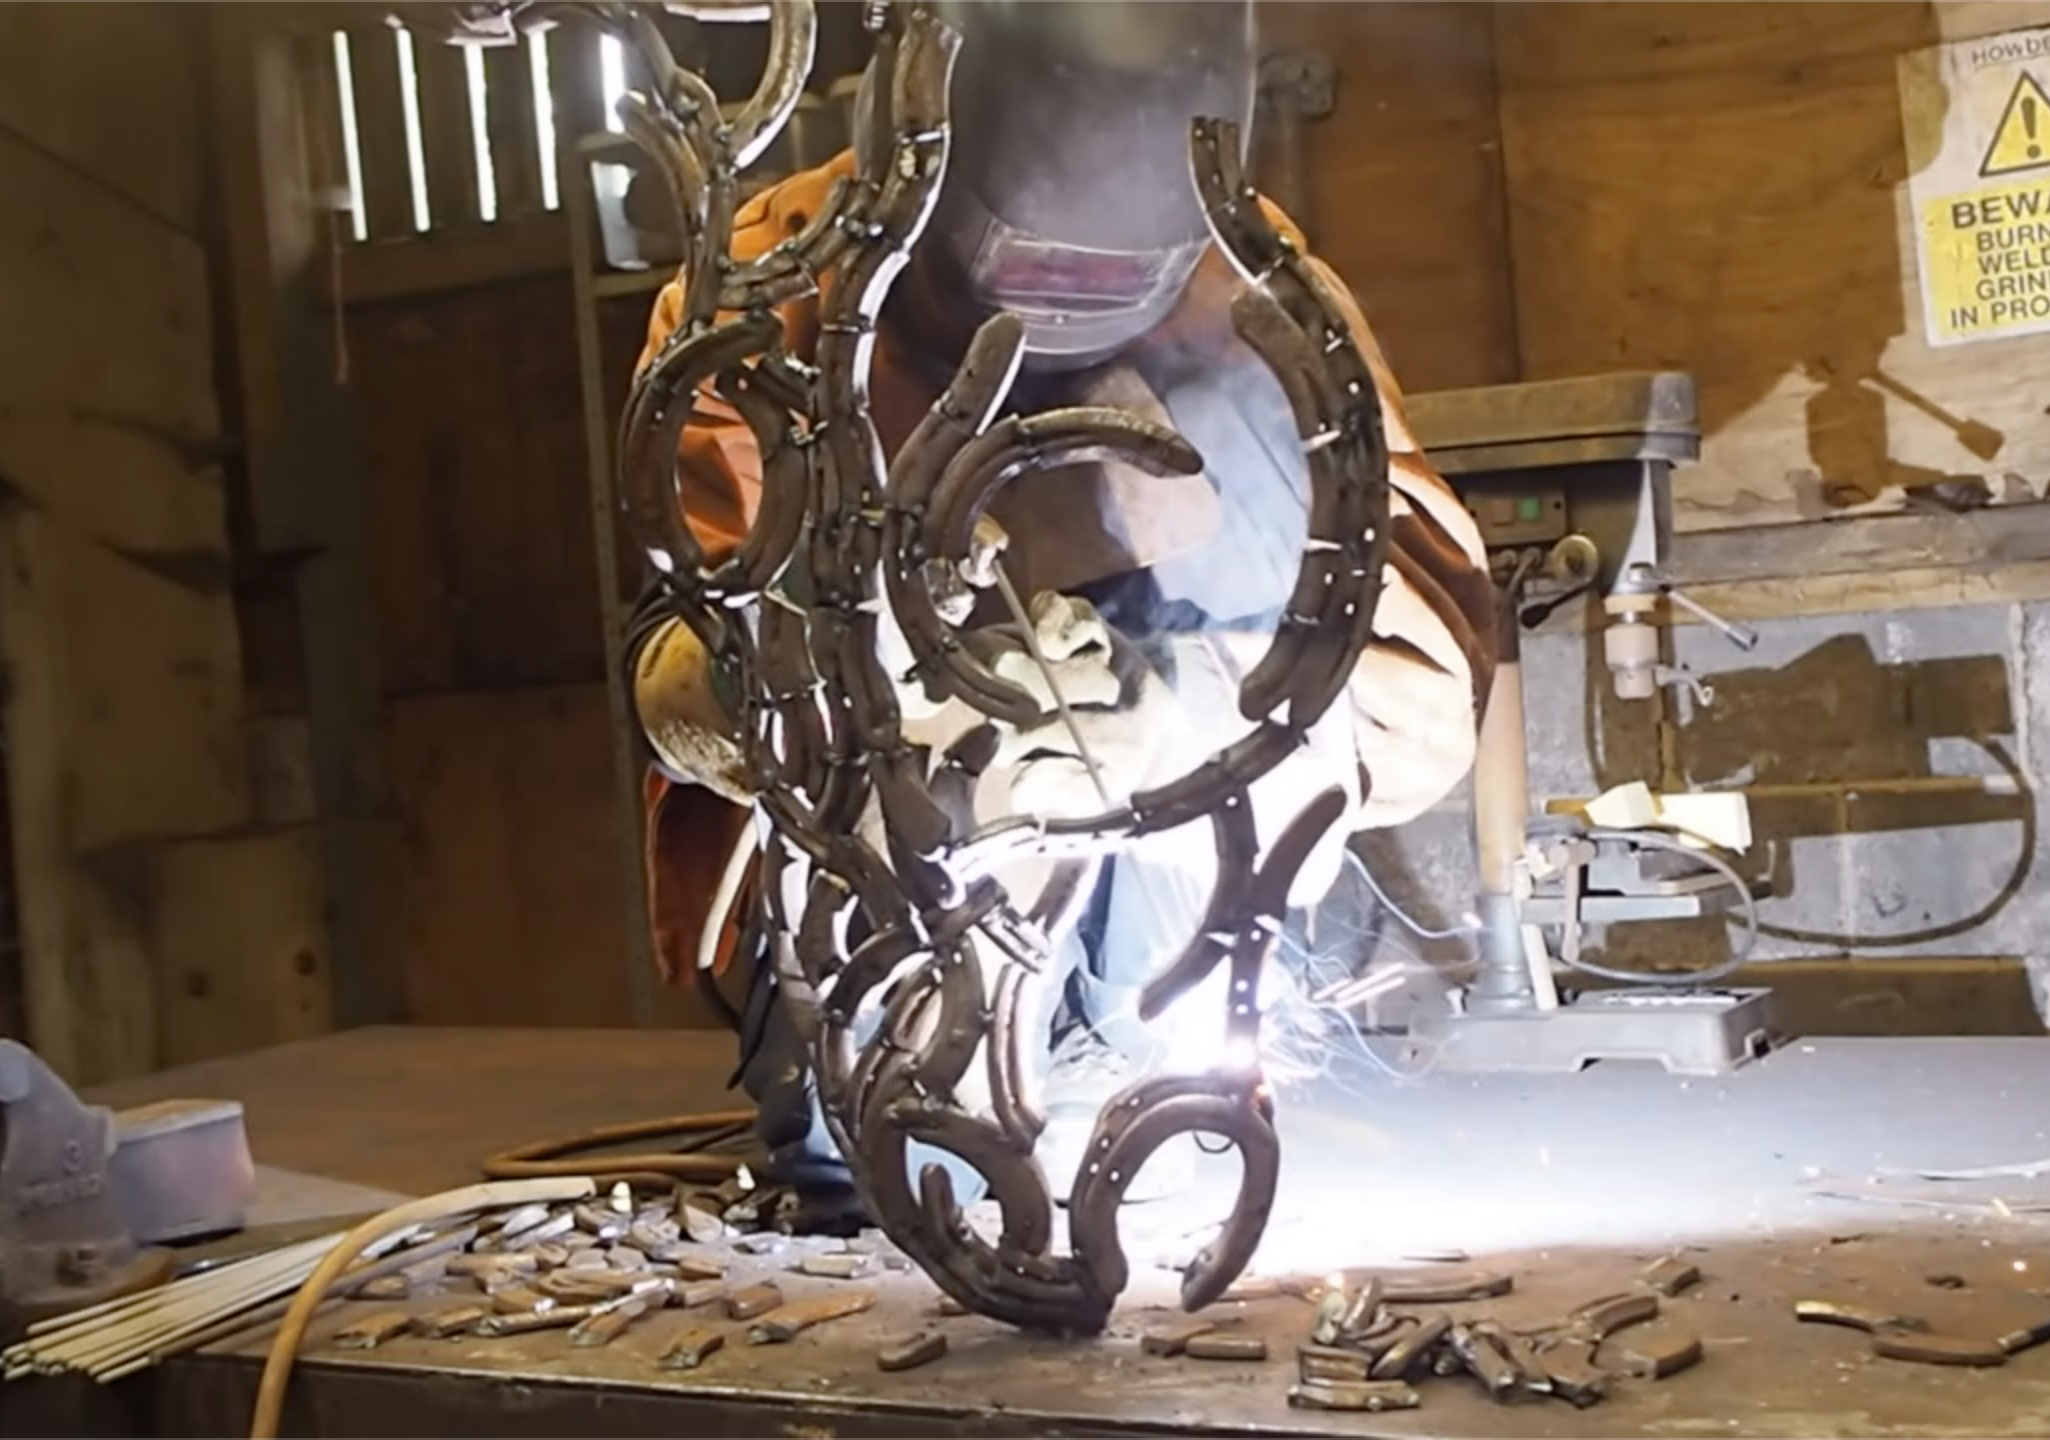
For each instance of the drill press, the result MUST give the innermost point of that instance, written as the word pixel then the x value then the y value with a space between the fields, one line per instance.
pixel 1571 482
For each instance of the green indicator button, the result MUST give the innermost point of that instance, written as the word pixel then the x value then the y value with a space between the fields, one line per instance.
pixel 1529 508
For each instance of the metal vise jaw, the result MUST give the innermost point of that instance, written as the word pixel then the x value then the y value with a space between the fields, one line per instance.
pixel 88 1197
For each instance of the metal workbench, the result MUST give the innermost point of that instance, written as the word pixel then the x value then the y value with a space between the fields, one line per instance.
pixel 1571 1182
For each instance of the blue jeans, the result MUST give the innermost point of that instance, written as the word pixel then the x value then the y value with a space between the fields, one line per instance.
pixel 1099 985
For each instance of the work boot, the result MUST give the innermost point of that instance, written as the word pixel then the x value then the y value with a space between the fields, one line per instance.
pixel 1085 1074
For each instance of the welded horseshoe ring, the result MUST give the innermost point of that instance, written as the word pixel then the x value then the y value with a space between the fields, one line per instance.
pixel 883 946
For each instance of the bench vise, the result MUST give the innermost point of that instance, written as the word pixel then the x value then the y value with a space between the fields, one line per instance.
pixel 89 1198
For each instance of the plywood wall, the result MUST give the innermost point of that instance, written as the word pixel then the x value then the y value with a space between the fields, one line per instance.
pixel 1405 180
pixel 1721 188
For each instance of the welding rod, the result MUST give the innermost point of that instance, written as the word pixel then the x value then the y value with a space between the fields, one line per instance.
pixel 1053 686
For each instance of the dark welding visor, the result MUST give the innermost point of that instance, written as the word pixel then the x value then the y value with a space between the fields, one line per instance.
pixel 1068 198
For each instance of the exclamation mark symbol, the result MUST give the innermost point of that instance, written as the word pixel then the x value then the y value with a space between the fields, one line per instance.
pixel 2029 124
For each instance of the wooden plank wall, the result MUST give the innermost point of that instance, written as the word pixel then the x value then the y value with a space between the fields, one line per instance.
pixel 508 903
pixel 134 797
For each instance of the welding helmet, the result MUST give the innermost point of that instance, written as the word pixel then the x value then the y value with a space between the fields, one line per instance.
pixel 1068 198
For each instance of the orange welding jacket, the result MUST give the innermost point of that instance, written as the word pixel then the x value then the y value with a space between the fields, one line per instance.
pixel 1416 693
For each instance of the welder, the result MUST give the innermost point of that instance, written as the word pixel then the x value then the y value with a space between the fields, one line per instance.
pixel 1068 201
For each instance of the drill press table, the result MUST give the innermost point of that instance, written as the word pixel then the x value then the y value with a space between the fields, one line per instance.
pixel 1572 1183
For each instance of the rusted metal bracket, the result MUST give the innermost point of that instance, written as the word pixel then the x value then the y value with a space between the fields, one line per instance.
pixel 1295 86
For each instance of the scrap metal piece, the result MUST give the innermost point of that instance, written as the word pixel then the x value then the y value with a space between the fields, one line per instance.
pixel 1258 1287
pixel 1574 1376
pixel 626 1257
pixel 1931 1348
pixel 1328 1362
pixel 385 1287
pixel 608 1322
pixel 834 1267
pixel 1383 1335
pixel 757 1299
pixel 1414 1344
pixel 488 1265
pixel 702 1225
pixel 909 1354
pixel 1518 1351
pixel 1446 1289
pixel 692 1348
pixel 450 1321
pixel 594 1286
pixel 599 1224
pixel 1328 1325
pixel 519 1300
pixel 552 1317
pixel 1657 1351
pixel 651 1238
pixel 1363 1308
pixel 590 1257
pixel 1670 1276
pixel 372 1330
pixel 426 1273
pixel 1599 1319
pixel 787 1322
pixel 1483 1360
pixel 1856 1317
pixel 1211 1345
pixel 1368 1395
pixel 695 1267
pixel 2026 1337
pixel 540 1236
pixel 1173 1338
pixel 518 1222
pixel 694 1293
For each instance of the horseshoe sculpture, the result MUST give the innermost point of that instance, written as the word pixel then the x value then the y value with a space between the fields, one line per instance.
pixel 885 946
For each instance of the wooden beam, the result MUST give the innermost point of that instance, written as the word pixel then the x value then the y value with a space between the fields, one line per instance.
pixel 1876 564
pixel 304 484
pixel 576 81
pixel 379 101
pixel 446 138
pixel 1980 542
pixel 454 260
pixel 509 116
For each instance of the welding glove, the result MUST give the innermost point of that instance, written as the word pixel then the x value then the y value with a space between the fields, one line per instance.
pixel 1123 714
pixel 688 724
pixel 1207 670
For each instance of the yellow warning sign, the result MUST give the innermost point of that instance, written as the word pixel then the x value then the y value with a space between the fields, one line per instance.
pixel 1975 118
pixel 2021 141
pixel 1986 261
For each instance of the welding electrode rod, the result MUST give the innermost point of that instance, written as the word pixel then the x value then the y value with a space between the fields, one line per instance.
pixel 1053 686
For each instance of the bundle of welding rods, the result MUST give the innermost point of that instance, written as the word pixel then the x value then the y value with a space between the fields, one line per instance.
pixel 119 1337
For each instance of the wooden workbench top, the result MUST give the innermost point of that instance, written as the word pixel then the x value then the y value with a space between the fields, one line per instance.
pixel 1572 1183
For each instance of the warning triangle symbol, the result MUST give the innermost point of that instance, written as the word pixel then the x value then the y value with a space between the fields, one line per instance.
pixel 2022 139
